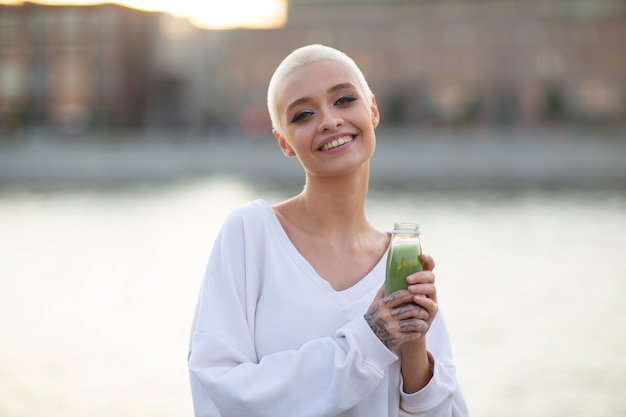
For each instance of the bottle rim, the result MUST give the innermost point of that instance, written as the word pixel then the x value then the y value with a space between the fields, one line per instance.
pixel 406 227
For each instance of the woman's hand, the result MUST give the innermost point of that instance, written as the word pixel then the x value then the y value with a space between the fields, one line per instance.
pixel 422 286
pixel 405 315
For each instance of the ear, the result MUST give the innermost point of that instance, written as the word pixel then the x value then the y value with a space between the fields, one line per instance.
pixel 375 113
pixel 282 142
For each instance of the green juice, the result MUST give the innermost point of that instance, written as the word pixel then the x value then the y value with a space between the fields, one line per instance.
pixel 404 258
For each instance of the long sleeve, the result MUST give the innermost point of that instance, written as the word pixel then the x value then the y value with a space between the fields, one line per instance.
pixel 270 337
pixel 321 377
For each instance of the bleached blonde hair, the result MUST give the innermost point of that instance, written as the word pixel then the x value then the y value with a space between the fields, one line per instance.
pixel 304 56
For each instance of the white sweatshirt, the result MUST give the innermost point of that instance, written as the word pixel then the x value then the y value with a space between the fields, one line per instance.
pixel 270 337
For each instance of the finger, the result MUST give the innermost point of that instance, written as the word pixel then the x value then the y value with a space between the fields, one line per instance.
pixel 429 304
pixel 428 262
pixel 412 336
pixel 409 311
pixel 428 289
pixel 425 302
pixel 413 325
pixel 423 277
pixel 398 298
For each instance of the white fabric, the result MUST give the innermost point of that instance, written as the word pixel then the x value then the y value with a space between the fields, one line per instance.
pixel 270 337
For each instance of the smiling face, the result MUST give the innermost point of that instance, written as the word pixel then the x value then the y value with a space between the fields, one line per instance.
pixel 328 120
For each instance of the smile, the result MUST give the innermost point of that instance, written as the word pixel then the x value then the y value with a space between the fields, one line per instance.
pixel 337 142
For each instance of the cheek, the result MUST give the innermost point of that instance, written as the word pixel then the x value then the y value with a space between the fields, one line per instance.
pixel 370 120
pixel 301 131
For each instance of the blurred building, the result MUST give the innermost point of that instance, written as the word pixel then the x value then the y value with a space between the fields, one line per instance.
pixel 74 66
pixel 94 67
pixel 457 62
pixel 450 62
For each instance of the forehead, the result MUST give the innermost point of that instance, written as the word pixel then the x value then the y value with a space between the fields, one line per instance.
pixel 313 79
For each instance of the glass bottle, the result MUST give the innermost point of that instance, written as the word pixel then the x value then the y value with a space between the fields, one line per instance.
pixel 404 257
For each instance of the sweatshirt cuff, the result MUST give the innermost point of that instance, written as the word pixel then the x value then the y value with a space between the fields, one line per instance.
pixel 437 391
pixel 358 333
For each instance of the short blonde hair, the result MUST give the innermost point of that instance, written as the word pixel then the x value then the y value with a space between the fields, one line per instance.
pixel 303 56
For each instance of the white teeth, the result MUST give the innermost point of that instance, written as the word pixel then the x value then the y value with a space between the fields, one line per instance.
pixel 337 142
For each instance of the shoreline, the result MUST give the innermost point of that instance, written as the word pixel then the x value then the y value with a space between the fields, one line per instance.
pixel 483 159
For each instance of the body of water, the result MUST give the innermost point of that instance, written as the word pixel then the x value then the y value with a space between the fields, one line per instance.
pixel 97 291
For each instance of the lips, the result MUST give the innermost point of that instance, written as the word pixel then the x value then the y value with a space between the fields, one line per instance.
pixel 337 142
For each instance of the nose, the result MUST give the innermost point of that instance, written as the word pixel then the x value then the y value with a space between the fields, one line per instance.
pixel 329 121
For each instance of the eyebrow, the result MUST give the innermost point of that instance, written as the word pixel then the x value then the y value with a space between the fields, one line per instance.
pixel 331 90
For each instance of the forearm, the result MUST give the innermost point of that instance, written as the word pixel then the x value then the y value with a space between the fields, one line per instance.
pixel 416 367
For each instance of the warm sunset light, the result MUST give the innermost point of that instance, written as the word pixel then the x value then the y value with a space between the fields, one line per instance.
pixel 210 14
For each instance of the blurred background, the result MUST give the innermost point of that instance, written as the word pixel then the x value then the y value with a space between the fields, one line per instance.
pixel 129 130
pixel 449 63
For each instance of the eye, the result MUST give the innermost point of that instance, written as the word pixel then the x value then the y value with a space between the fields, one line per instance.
pixel 345 100
pixel 301 115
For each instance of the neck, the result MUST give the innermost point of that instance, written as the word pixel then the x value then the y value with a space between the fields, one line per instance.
pixel 336 204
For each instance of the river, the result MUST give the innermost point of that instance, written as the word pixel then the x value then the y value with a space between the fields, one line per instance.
pixel 98 286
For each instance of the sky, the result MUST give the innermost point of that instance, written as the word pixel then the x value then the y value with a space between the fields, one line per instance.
pixel 211 14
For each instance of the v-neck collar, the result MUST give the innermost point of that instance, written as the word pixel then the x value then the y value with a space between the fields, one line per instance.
pixel 371 281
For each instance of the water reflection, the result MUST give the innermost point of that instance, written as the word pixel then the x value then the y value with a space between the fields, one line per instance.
pixel 97 291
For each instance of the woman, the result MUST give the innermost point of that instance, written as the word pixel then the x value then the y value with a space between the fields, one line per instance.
pixel 292 319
